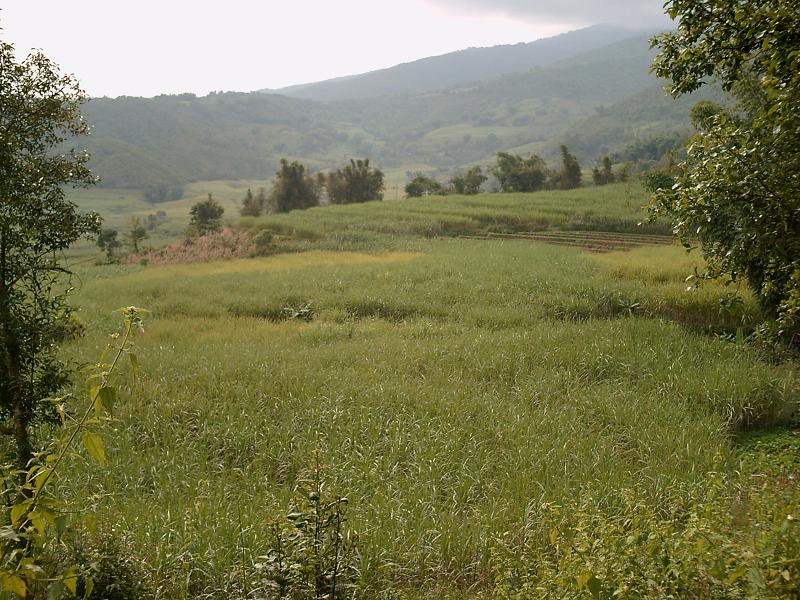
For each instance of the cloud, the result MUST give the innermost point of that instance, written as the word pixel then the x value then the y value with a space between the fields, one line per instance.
pixel 634 14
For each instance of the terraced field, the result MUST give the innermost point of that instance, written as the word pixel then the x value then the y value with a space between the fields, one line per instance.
pixel 593 241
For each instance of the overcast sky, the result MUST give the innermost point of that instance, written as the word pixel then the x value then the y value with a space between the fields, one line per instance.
pixel 149 47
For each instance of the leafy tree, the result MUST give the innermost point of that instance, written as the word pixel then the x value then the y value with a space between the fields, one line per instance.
pixel 468 183
pixel 252 206
pixel 39 113
pixel 570 176
pixel 294 188
pixel 517 174
pixel 604 174
pixel 422 185
pixel 738 190
pixel 357 182
pixel 137 233
pixel 107 241
pixel 206 217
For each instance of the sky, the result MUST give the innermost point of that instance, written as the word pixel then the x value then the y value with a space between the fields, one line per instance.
pixel 152 47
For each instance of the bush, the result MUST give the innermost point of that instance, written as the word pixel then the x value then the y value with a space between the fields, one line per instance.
pixel 733 540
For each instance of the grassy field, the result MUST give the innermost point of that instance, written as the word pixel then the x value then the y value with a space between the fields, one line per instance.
pixel 449 385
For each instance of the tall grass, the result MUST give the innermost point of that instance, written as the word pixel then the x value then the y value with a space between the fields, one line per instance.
pixel 448 384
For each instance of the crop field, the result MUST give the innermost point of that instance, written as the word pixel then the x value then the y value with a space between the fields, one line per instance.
pixel 450 387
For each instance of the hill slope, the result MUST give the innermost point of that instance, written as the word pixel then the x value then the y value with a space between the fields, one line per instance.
pixel 462 67
pixel 176 139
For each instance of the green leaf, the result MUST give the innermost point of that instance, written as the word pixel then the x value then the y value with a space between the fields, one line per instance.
pixel 18 512
pixel 70 580
pixel 88 585
pixel 594 586
pixel 106 400
pixel 15 585
pixel 94 446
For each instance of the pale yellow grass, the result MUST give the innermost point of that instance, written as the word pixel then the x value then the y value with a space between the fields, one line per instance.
pixel 283 262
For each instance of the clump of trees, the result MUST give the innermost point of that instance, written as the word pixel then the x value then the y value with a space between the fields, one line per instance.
pixel 356 182
pixel 206 217
pixel 468 183
pixel 604 174
pixel 738 190
pixel 517 174
pixel 422 185
pixel 254 205
pixel 294 188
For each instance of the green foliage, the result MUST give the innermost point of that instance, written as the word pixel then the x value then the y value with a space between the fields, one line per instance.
pixel 357 182
pixel 738 190
pixel 293 189
pixel 135 234
pixel 313 553
pixel 163 192
pixel 206 217
pixel 254 206
pixel 605 174
pixel 656 180
pixel 39 114
pixel 264 242
pixel 570 175
pixel 723 540
pixel 108 242
pixel 517 174
pixel 422 185
pixel 37 519
pixel 468 183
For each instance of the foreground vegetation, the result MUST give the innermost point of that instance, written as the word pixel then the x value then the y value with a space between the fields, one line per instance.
pixel 501 415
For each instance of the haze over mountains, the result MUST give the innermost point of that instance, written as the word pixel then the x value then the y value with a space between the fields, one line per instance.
pixel 462 67
pixel 440 113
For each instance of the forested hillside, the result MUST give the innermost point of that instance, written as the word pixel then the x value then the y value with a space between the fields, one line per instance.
pixel 462 67
pixel 171 140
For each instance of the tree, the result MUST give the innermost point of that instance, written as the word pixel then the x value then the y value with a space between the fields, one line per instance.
pixel 137 233
pixel 738 189
pixel 570 176
pixel 206 217
pixel 252 206
pixel 422 185
pixel 107 241
pixel 294 188
pixel 517 174
pixel 39 114
pixel 469 183
pixel 357 182
pixel 603 175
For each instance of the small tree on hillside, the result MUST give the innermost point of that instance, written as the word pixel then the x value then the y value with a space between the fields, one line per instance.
pixel 107 241
pixel 135 234
pixel 294 188
pixel 357 182
pixel 422 185
pixel 603 174
pixel 570 175
pixel 252 206
pixel 206 217
pixel 517 174
pixel 469 183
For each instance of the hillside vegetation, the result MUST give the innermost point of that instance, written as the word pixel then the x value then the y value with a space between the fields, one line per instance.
pixel 171 140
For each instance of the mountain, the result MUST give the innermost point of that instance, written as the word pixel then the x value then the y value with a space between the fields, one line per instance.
pixel 594 101
pixel 460 68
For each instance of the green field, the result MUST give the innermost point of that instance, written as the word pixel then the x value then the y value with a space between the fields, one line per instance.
pixel 451 386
